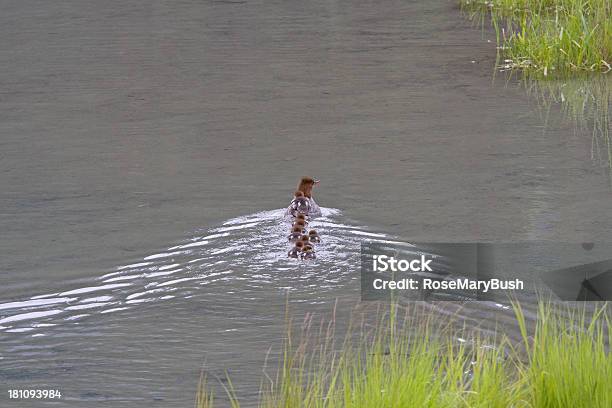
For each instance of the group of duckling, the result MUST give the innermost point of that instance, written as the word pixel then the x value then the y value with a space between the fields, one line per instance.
pixel 303 240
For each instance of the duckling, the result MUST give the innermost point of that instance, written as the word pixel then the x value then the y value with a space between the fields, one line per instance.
pixel 301 217
pixel 296 234
pixel 299 224
pixel 299 205
pixel 308 252
pixel 305 239
pixel 314 236
pixel 296 250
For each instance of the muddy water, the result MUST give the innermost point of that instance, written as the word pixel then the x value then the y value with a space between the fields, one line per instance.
pixel 129 128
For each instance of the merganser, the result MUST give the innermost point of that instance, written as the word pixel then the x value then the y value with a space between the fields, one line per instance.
pixel 299 224
pixel 301 217
pixel 296 234
pixel 296 250
pixel 303 202
pixel 299 204
pixel 308 252
pixel 305 186
pixel 314 236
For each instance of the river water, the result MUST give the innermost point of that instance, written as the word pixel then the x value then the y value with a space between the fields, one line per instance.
pixel 146 148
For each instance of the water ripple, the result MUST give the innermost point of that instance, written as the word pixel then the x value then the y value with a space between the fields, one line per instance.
pixel 255 246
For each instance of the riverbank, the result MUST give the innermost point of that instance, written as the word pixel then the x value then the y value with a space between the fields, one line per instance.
pixel 411 358
pixel 549 37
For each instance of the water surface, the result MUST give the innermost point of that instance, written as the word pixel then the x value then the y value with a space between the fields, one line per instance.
pixel 132 132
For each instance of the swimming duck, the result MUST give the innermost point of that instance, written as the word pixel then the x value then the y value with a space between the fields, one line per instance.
pixel 303 202
pixel 299 205
pixel 305 186
pixel 308 252
pixel 301 217
pixel 296 250
pixel 299 224
pixel 296 234
pixel 314 236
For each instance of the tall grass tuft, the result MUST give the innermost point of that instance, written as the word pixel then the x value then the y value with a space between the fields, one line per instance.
pixel 550 37
pixel 411 358
pixel 204 396
pixel 568 361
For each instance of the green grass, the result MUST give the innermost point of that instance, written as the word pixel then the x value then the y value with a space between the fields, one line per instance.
pixel 413 359
pixel 550 37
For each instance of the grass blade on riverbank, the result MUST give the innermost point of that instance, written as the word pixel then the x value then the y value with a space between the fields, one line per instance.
pixel 411 358
pixel 550 37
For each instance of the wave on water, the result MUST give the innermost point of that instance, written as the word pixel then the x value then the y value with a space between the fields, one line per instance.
pixel 246 255
pixel 250 250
